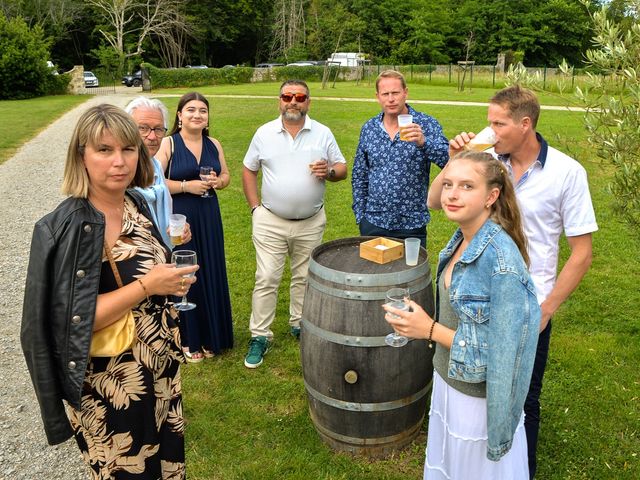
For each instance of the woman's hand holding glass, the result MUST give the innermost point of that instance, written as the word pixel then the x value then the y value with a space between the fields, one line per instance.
pixel 415 323
pixel 206 175
pixel 166 279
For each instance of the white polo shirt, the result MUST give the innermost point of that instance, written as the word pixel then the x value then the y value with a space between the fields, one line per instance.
pixel 553 196
pixel 289 189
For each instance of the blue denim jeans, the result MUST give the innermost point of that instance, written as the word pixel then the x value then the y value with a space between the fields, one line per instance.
pixel 368 229
pixel 532 403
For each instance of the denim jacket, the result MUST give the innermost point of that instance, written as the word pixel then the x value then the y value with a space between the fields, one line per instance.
pixel 497 334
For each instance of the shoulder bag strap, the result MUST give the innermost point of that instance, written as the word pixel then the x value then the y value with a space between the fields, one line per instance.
pixel 112 262
pixel 170 158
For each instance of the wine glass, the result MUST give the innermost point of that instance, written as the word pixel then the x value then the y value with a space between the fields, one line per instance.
pixel 184 258
pixel 397 298
pixel 205 176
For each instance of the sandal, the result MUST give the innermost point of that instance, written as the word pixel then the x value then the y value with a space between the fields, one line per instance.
pixel 208 353
pixel 195 357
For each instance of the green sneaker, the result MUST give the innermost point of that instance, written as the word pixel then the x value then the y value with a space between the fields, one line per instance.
pixel 295 331
pixel 258 347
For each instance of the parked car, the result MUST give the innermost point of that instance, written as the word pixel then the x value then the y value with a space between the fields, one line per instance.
pixel 301 64
pixel 196 66
pixel 269 65
pixel 90 80
pixel 133 80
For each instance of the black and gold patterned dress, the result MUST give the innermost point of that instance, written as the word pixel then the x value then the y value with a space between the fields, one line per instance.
pixel 131 425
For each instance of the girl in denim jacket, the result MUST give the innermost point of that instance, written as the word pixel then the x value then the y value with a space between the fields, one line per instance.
pixel 486 329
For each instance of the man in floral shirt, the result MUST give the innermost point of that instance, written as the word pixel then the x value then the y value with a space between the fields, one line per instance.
pixel 391 176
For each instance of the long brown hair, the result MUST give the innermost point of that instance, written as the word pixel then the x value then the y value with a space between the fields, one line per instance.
pixel 505 210
pixel 186 98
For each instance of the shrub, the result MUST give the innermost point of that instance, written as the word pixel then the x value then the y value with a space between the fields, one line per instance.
pixel 196 77
pixel 24 53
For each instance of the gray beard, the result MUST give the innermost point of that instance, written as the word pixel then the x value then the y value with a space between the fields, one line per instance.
pixel 293 115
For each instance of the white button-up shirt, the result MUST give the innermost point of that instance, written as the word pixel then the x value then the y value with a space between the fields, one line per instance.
pixel 553 196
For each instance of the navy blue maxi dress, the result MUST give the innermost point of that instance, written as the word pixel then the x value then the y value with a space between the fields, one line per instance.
pixel 209 325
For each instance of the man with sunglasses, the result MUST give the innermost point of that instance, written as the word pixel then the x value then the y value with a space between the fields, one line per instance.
pixel 391 175
pixel 297 156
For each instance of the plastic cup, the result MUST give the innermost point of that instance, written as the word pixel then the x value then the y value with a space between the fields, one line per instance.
pixel 404 120
pixel 484 139
pixel 176 227
pixel 411 251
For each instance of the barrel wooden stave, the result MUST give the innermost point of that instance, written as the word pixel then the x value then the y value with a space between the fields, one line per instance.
pixel 383 409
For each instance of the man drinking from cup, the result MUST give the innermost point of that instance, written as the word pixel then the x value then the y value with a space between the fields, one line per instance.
pixel 391 168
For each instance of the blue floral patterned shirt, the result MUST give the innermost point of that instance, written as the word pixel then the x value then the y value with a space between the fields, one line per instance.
pixel 390 177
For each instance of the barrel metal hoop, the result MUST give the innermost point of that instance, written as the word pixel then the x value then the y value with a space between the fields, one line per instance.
pixel 340 339
pixel 422 284
pixel 367 407
pixel 370 280
pixel 391 439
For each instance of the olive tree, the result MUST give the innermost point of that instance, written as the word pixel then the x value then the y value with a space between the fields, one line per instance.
pixel 611 99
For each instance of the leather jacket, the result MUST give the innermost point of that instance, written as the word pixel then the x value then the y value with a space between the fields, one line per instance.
pixel 60 299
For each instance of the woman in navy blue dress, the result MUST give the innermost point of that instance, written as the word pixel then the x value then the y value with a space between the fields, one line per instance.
pixel 207 329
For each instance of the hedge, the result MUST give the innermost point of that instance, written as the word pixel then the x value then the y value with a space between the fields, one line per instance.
pixel 196 77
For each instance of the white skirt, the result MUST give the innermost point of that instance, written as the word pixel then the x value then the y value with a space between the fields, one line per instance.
pixel 457 440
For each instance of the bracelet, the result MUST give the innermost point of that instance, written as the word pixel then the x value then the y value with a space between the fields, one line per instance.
pixel 183 184
pixel 146 292
pixel 433 324
pixel 253 208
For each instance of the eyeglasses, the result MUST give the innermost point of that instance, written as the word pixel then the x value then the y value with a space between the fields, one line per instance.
pixel 300 97
pixel 145 131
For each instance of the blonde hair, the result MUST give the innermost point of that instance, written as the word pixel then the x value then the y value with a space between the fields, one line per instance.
pixel 520 102
pixel 504 211
pixel 391 74
pixel 89 131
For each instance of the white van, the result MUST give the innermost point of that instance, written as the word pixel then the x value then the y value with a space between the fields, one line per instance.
pixel 346 59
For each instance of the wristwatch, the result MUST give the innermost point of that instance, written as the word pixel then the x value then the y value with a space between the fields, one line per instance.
pixel 332 173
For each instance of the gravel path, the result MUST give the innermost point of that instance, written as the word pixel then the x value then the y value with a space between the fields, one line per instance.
pixel 30 188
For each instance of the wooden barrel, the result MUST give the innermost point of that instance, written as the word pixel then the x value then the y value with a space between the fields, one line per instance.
pixel 364 396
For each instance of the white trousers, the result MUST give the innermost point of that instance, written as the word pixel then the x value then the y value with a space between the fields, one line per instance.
pixel 274 238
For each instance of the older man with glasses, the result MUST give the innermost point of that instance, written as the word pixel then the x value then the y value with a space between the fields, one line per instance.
pixel 151 116
pixel 297 156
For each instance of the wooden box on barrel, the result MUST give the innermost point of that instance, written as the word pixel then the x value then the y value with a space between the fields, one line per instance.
pixel 364 396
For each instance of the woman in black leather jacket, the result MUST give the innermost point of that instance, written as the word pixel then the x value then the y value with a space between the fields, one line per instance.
pixel 125 411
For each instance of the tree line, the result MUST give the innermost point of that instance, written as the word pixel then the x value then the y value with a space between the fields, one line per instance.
pixel 119 34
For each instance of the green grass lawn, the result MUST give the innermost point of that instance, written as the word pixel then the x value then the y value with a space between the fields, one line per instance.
pixel 23 119
pixel 366 90
pixel 246 424
pixel 254 424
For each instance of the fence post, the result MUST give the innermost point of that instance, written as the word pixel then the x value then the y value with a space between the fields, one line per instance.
pixel 411 72
pixel 430 72
pixel 471 77
pixel 573 77
pixel 493 82
pixel 449 73
pixel 544 78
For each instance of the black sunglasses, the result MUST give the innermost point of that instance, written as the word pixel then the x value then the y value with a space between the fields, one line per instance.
pixel 300 97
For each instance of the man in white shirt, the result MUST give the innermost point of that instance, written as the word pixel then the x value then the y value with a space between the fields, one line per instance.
pixel 553 196
pixel 297 156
